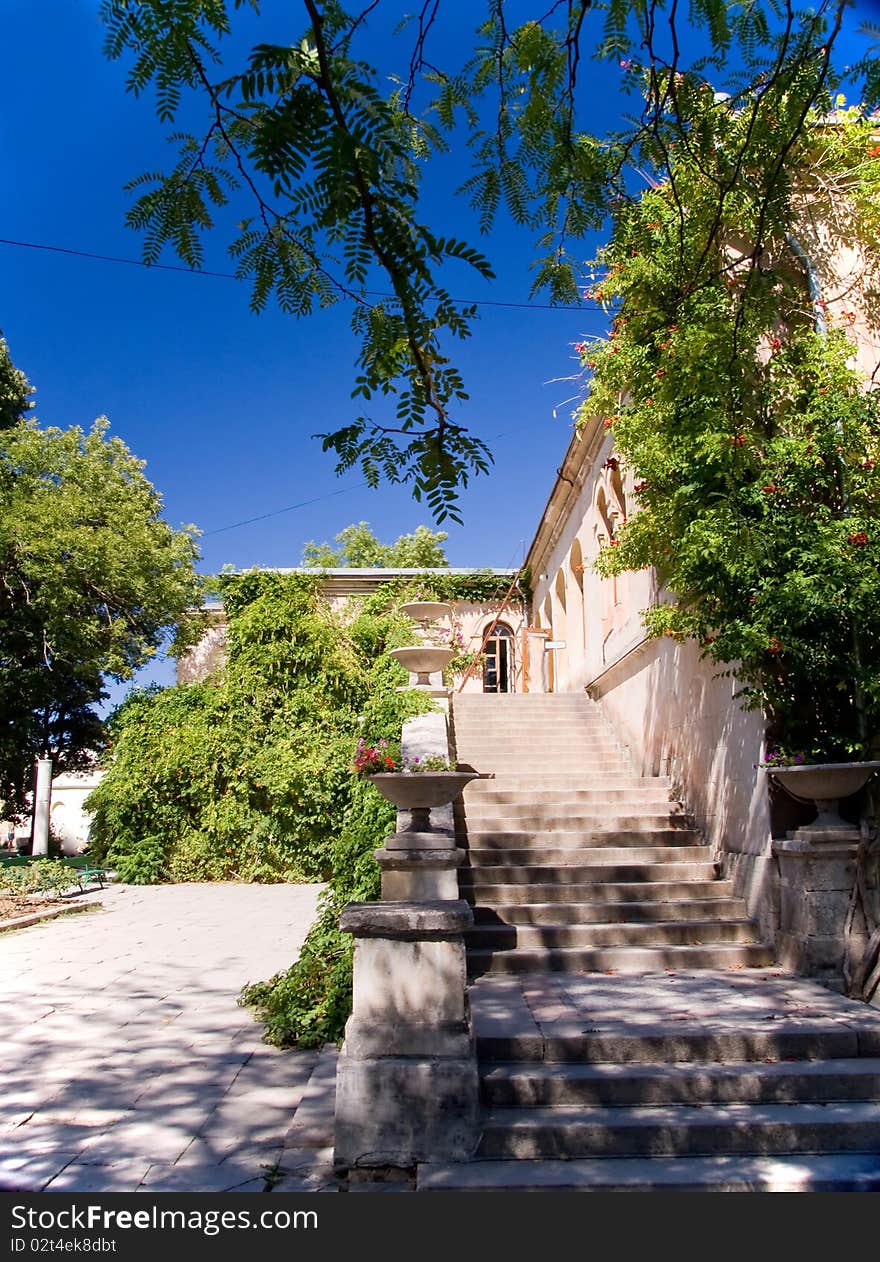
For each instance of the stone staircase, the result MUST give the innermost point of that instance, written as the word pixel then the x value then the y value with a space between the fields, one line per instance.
pixel 576 863
pixel 697 1066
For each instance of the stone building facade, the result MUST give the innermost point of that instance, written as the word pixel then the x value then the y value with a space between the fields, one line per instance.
pixel 506 669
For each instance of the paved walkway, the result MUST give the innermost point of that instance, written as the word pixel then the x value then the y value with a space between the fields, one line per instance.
pixel 127 1063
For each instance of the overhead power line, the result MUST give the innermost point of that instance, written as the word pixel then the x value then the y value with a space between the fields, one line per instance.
pixel 193 271
pixel 288 509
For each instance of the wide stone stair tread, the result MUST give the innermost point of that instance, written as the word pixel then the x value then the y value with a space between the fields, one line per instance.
pixel 574 854
pixel 612 895
pixel 527 1084
pixel 760 1042
pixel 655 1130
pixel 527 779
pixel 593 913
pixel 501 937
pixel 539 758
pixel 487 796
pixel 494 871
pixel 777 1173
pixel 581 820
pixel 618 959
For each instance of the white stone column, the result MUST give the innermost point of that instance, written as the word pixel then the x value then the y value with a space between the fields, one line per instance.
pixel 42 806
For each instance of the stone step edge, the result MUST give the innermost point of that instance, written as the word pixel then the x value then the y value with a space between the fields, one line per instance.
pixel 685 903
pixel 635 1117
pixel 804 1173
pixel 633 960
pixel 501 1074
pixel 684 872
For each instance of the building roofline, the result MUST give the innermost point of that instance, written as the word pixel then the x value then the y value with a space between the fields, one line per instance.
pixel 350 582
pixel 377 572
pixel 571 475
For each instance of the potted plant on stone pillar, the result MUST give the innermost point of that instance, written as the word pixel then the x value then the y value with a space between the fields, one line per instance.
pixel 413 784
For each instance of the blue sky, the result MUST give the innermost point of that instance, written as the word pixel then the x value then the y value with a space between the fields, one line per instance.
pixel 219 402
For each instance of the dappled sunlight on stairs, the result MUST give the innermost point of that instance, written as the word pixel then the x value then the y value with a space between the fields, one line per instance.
pixel 632 1034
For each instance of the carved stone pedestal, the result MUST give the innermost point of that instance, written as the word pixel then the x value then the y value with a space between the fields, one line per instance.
pixel 817 871
pixel 406 1087
pixel 419 867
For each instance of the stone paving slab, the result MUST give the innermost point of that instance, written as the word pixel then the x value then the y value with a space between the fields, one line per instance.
pixel 131 1063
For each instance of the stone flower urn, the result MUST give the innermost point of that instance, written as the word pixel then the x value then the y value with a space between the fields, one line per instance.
pixel 423 660
pixel 426 610
pixel 419 791
pixel 824 784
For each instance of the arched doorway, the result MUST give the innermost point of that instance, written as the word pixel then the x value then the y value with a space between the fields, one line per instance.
pixel 498 670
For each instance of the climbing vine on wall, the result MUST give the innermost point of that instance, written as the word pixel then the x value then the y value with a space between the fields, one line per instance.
pixel 244 776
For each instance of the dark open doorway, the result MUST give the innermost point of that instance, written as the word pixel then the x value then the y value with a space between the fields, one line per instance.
pixel 498 671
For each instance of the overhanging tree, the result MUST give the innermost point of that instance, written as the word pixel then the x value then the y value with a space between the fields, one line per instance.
pixel 729 387
pixel 329 151
pixel 92 580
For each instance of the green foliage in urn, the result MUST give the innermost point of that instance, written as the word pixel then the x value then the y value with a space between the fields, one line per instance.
pixel 734 404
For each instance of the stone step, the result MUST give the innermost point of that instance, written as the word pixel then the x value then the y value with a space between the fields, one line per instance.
pixel 583 875
pixel 604 849
pixel 681 1130
pixel 676 1039
pixel 559 738
pixel 618 959
pixel 546 722
pixel 516 700
pixel 612 895
pixel 803 1173
pixel 640 793
pixel 556 732
pixel 488 911
pixel 569 760
pixel 535 937
pixel 524 1085
pixel 482 822
pixel 525 780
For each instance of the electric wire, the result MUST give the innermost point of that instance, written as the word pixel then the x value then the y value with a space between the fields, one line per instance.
pixel 196 271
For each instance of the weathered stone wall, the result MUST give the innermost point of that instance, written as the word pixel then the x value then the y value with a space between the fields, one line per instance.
pixel 208 655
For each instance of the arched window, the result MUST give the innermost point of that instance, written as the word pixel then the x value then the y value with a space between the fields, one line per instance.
pixel 577 621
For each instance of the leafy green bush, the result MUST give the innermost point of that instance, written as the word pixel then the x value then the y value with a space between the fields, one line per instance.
pixel 246 776
pixel 308 1004
pixel 243 776
pixel 49 877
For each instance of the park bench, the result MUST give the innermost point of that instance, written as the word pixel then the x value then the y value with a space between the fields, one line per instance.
pixel 85 877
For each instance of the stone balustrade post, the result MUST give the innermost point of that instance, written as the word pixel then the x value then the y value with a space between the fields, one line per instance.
pixel 817 873
pixel 407 1085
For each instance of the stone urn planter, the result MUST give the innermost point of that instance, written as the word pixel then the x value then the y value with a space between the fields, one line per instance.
pixel 824 784
pixel 423 660
pixel 426 610
pixel 419 791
